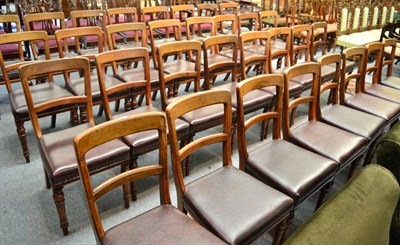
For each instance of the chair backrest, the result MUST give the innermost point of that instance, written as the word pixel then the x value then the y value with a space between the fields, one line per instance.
pixel 154 13
pixel 45 22
pixel 333 86
pixel 265 15
pixel 303 44
pixel 121 15
pixel 198 24
pixel 137 27
pixel 249 21
pixel 358 75
pixel 225 20
pixel 8 21
pixel 375 50
pixel 193 51
pixel 207 9
pixel 228 8
pixel 48 68
pixel 261 38
pixel 182 12
pixel 92 17
pixel 163 26
pixel 245 87
pixel 286 52
pixel 20 38
pixel 390 44
pixel 112 130
pixel 311 100
pixel 113 58
pixel 191 103
pixel 319 38
pixel 214 44
pixel 389 31
pixel 76 33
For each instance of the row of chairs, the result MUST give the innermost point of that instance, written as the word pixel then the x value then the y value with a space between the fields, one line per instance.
pixel 191 123
pixel 214 64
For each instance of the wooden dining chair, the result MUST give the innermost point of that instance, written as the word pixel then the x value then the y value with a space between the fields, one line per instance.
pixel 248 22
pixel 41 91
pixel 139 83
pixel 61 167
pixel 336 144
pixel 152 13
pixel 162 224
pixel 391 47
pixel 122 16
pixel 362 101
pixel 86 18
pixel 135 33
pixel 220 200
pixel 338 115
pixel 280 164
pixel 268 19
pixel 46 22
pixel 225 25
pixel 198 28
pixel 319 39
pixel 182 12
pixel 376 50
pixel 12 50
pixel 207 9
pixel 228 8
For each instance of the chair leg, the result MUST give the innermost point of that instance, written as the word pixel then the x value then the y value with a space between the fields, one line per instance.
pixel 281 228
pixel 289 221
pixel 22 138
pixel 323 194
pixel 133 165
pixel 353 167
pixel 74 116
pixel 59 201
pixel 100 112
pixel 53 121
pixel 116 105
pixel 187 161
pixel 47 179
pixel 125 187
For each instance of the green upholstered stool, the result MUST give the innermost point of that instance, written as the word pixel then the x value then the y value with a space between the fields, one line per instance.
pixel 360 213
pixel 388 155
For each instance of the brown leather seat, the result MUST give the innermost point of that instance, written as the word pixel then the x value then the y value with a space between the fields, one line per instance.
pixel 56 148
pixel 162 224
pixel 233 217
pixel 220 199
pixel 391 47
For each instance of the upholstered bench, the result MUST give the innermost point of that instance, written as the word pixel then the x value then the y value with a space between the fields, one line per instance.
pixel 388 155
pixel 360 213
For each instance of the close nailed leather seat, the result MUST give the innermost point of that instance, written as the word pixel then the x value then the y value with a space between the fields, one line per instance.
pixel 163 224
pixel 255 208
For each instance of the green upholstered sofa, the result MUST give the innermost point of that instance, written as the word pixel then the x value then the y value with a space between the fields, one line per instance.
pixel 360 213
pixel 388 155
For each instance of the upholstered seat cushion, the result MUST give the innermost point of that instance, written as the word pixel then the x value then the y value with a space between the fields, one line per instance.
pixel 295 89
pixel 9 48
pixel 148 138
pixel 162 225
pixel 277 44
pixel 331 142
pixel 77 86
pixel 214 59
pixel 53 43
pixel 327 74
pixel 40 93
pixel 388 50
pixel 253 100
pixel 353 121
pixel 235 206
pixel 384 92
pixel 57 151
pixel 179 65
pixel 373 105
pixel 358 38
pixel 291 169
pixel 137 74
pixel 392 81
pixel 360 213
pixel 332 28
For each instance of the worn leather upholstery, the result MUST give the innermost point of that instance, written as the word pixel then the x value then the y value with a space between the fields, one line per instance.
pixel 379 107
pixel 40 93
pixel 360 213
pixel 328 141
pixel 384 92
pixel 327 74
pixel 351 120
pixel 162 225
pixel 57 152
pixel 296 174
pixel 392 81
pixel 258 203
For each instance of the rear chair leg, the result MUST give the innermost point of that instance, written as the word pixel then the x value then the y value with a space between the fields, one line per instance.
pixel 59 201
